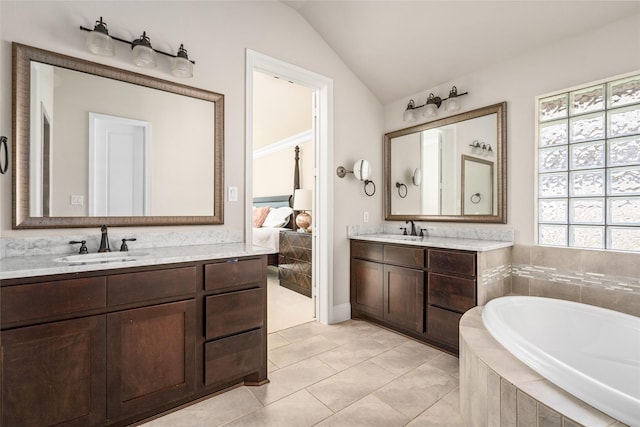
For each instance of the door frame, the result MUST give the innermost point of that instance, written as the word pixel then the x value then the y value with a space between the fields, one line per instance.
pixel 323 144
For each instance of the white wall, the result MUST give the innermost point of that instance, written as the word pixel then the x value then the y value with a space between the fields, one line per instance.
pixel 604 52
pixel 216 35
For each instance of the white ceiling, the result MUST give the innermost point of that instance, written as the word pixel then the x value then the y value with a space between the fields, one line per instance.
pixel 398 48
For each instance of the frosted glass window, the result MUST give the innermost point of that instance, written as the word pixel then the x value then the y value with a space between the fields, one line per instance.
pixel 553 211
pixel 589 166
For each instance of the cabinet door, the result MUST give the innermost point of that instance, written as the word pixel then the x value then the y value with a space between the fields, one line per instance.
pixel 367 287
pixel 404 297
pixel 150 357
pixel 54 374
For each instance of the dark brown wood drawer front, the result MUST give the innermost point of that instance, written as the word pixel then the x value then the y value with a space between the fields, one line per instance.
pixel 364 250
pixel 454 293
pixel 452 261
pixel 41 300
pixel 234 312
pixel 149 285
pixel 233 273
pixel 442 325
pixel 231 358
pixel 404 256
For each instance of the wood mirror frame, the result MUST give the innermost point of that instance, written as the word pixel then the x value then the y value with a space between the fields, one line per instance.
pixel 500 167
pixel 22 56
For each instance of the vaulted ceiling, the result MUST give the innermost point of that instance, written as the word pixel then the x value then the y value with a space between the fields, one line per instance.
pixel 398 48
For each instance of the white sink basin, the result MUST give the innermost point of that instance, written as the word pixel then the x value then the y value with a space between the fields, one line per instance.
pixel 101 257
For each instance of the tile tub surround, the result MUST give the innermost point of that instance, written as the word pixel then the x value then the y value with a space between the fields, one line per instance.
pixel 602 278
pixel 497 389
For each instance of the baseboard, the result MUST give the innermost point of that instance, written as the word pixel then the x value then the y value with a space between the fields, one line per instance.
pixel 340 313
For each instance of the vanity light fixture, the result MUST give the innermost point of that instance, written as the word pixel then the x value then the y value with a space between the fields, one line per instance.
pixel 144 55
pixel 430 107
pixel 482 148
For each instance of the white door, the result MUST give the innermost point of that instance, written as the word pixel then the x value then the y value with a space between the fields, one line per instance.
pixel 118 166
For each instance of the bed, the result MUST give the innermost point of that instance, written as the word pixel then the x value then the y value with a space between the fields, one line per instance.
pixel 268 233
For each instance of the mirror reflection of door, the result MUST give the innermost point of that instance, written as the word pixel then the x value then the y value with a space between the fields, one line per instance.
pixel 118 171
pixel 477 186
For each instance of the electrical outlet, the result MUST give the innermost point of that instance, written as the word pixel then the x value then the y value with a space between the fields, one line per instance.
pixel 233 194
pixel 365 217
pixel 77 200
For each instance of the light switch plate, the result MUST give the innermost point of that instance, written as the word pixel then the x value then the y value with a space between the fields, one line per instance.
pixel 77 200
pixel 233 194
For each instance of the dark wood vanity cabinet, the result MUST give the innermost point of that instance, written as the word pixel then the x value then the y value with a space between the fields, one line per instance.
pixel 419 291
pixel 114 348
pixel 387 282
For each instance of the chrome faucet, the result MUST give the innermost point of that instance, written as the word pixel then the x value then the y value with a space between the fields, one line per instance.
pixel 104 241
pixel 413 227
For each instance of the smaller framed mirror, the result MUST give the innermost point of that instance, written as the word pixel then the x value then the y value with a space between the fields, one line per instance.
pixel 452 169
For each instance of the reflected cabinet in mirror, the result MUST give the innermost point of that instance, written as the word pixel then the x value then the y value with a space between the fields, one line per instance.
pixel 99 145
pixel 453 169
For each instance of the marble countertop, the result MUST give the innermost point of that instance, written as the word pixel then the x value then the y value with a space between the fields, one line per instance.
pixel 436 242
pixel 43 265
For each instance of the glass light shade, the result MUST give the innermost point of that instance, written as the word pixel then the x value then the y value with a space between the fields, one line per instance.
pixel 100 44
pixel 144 57
pixel 453 104
pixel 182 67
pixel 430 110
pixel 409 115
pixel 362 169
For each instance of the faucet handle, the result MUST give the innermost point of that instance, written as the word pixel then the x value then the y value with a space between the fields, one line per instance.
pixel 404 230
pixel 422 232
pixel 83 246
pixel 124 247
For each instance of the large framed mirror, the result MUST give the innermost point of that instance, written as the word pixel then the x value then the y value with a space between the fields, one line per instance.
pixel 452 169
pixel 98 145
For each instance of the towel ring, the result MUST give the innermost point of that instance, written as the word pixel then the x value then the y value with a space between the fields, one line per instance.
pixel 399 186
pixel 475 198
pixel 5 151
pixel 366 184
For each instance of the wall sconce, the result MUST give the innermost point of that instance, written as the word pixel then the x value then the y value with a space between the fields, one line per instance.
pixel 417 177
pixel 362 171
pixel 101 43
pixel 432 104
pixel 481 148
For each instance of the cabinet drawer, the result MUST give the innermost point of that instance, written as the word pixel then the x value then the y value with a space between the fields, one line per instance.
pixel 450 292
pixel 452 261
pixel 149 285
pixel 234 357
pixel 40 300
pixel 234 312
pixel 372 251
pixel 442 325
pixel 405 256
pixel 233 273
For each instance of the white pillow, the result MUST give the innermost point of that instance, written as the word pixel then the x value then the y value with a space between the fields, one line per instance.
pixel 278 217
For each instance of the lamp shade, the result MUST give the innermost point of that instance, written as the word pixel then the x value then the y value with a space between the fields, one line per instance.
pixel 181 66
pixel 302 200
pixel 143 54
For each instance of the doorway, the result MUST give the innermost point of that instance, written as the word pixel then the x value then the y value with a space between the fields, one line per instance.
pixel 322 240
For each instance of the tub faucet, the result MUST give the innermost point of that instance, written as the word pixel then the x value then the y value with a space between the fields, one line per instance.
pixel 413 227
pixel 104 241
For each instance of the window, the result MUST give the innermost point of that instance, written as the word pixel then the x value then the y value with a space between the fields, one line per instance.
pixel 589 166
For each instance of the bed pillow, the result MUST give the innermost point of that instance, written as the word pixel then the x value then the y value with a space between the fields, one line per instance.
pixel 278 217
pixel 259 215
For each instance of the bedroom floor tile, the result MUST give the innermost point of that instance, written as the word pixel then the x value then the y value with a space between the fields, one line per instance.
pixel 351 374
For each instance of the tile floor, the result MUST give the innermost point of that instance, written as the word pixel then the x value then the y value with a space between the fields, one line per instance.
pixel 350 374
